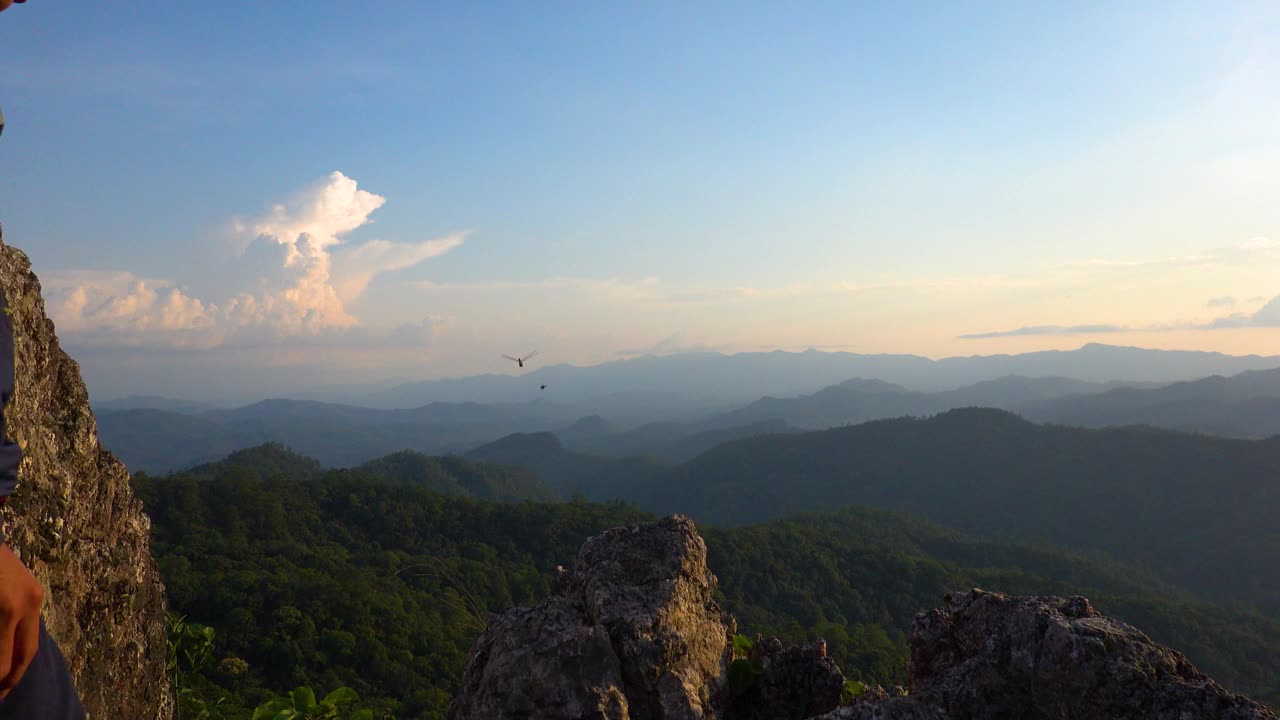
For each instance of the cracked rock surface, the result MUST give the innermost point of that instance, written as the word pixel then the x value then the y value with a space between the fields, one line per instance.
pixel 76 524
pixel 631 632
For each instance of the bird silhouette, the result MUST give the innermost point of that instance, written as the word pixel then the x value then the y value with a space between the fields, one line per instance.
pixel 521 360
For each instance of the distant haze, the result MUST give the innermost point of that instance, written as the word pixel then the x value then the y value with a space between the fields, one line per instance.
pixel 688 382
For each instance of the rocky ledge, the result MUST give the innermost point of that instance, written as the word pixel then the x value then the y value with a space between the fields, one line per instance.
pixel 76 523
pixel 632 632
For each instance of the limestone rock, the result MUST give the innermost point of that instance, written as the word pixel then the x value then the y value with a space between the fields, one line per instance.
pixel 989 655
pixel 632 632
pixel 796 682
pixel 76 524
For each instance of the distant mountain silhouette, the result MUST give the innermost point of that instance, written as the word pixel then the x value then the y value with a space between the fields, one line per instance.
pixel 696 382
pixel 568 472
pixel 672 442
pixel 1245 405
pixel 586 428
pixel 151 402
pixel 449 475
pixel 1200 510
pixel 338 435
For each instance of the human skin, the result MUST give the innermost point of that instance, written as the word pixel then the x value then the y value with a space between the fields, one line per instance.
pixel 20 599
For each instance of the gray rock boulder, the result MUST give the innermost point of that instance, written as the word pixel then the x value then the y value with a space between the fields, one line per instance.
pixel 794 682
pixel 990 655
pixel 631 632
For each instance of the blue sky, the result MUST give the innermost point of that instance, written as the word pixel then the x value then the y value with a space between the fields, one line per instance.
pixel 601 179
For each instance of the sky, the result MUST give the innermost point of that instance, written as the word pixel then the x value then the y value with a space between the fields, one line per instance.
pixel 328 192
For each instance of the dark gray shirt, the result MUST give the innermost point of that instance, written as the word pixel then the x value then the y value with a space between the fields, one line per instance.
pixel 10 453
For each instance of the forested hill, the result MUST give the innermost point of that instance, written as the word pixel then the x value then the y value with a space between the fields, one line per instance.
pixel 346 578
pixel 1200 510
pixel 570 473
pixel 449 474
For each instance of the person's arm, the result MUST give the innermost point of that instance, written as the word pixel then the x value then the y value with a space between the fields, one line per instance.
pixel 4 4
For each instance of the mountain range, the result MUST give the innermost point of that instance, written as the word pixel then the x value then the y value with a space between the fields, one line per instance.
pixel 651 388
pixel 1245 405
pixel 694 381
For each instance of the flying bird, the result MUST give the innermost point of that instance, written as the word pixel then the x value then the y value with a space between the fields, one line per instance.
pixel 542 387
pixel 520 360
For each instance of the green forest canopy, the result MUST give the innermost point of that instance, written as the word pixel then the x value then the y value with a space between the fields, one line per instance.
pixel 350 578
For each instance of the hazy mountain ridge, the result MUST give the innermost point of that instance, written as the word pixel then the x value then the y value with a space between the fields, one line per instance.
pixel 713 377
pixel 1244 405
pixel 1198 509
pixel 568 472
pixel 447 475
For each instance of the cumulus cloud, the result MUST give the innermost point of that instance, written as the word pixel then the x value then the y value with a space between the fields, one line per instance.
pixel 295 277
pixel 355 266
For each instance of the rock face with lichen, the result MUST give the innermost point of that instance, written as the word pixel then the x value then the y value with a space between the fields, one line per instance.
pixel 76 524
pixel 632 633
pixel 990 655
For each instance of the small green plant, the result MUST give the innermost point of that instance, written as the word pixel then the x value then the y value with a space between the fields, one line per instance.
pixel 741 646
pixel 851 690
pixel 190 654
pixel 301 705
pixel 744 671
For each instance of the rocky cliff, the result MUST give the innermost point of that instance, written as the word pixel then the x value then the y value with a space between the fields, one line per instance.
pixel 76 524
pixel 632 632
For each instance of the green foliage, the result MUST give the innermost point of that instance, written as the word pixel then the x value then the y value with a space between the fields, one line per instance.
pixel 453 475
pixel 301 705
pixel 190 655
pixel 744 674
pixel 741 646
pixel 348 580
pixel 851 690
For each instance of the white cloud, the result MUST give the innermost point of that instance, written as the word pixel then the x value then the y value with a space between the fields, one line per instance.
pixel 355 266
pixel 611 289
pixel 293 279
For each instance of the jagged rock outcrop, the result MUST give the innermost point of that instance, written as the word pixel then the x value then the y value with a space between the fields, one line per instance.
pixel 794 682
pixel 631 632
pixel 76 524
pixel 990 655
